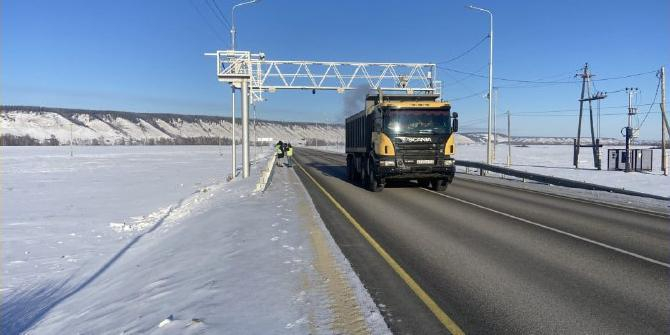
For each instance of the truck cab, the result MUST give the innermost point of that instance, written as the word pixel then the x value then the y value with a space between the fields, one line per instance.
pixel 402 137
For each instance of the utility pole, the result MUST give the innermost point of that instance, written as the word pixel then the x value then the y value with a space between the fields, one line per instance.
pixel 587 97
pixel 664 125
pixel 509 139
pixel 234 158
pixel 495 117
pixel 629 129
pixel 245 128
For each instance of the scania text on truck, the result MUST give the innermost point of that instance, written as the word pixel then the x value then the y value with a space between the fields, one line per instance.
pixel 401 137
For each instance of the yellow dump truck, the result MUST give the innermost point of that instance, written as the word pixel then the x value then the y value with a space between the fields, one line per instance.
pixel 401 137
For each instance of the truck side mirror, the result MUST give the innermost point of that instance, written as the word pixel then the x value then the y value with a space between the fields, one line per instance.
pixel 454 127
pixel 377 127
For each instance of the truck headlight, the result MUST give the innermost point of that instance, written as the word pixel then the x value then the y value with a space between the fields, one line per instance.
pixel 448 162
pixel 386 163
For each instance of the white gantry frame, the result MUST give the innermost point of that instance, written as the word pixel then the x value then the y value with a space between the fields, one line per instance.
pixel 254 75
pixel 270 75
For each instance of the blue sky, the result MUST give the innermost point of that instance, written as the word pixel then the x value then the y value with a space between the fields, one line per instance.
pixel 147 56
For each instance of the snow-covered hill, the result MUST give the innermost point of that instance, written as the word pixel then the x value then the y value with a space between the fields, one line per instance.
pixel 52 125
pixel 21 125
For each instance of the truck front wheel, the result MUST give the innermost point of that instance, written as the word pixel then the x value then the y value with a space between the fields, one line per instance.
pixel 439 185
pixel 371 181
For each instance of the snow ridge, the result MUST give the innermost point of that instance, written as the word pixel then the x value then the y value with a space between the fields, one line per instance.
pixel 58 126
pixel 123 128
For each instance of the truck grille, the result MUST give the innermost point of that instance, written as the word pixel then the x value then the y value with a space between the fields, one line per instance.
pixel 418 153
pixel 410 157
pixel 410 153
pixel 414 146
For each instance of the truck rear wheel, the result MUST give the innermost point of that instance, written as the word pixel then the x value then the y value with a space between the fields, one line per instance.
pixel 351 170
pixel 439 185
pixel 371 182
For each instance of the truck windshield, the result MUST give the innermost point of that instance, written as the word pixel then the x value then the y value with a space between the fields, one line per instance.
pixel 417 121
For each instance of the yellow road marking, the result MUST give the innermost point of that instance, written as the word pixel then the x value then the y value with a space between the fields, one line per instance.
pixel 446 321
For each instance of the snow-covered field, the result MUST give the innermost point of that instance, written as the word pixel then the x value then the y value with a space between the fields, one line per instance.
pixel 155 240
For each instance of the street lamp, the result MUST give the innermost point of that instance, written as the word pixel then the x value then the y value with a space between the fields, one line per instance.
pixel 232 42
pixel 232 20
pixel 490 96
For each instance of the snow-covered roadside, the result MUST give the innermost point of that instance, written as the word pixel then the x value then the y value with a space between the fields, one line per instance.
pixel 220 259
pixel 556 160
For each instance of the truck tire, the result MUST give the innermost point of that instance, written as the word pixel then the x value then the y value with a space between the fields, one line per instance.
pixel 439 185
pixel 350 169
pixel 371 181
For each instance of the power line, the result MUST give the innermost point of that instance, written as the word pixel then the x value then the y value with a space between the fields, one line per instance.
pixel 204 19
pixel 559 111
pixel 569 74
pixel 468 96
pixel 506 79
pixel 458 81
pixel 221 13
pixel 573 115
pixel 652 104
pixel 219 16
pixel 625 76
pixel 481 120
pixel 617 91
pixel 534 86
pixel 543 82
pixel 575 110
pixel 466 51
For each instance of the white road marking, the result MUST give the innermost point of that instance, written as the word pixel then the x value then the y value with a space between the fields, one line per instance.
pixel 584 201
pixel 604 245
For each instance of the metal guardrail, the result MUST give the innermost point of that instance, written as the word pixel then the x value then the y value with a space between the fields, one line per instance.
pixel 554 180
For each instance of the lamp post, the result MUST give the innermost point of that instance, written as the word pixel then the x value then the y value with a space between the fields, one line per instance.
pixel 490 96
pixel 233 33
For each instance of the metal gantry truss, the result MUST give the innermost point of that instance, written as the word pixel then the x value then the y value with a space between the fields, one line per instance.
pixel 265 75
pixel 254 75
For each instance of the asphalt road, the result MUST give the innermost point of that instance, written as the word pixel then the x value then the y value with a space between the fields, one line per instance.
pixel 499 260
